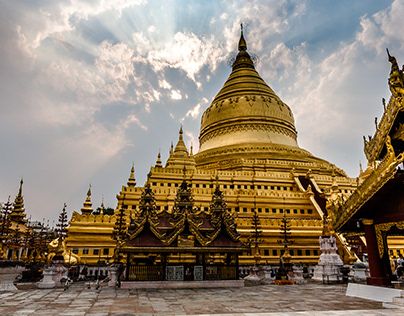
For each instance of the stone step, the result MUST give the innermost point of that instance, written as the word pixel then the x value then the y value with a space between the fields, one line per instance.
pixel 398 301
pixel 391 305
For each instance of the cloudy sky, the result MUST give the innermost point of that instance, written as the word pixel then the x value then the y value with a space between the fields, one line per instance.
pixel 88 87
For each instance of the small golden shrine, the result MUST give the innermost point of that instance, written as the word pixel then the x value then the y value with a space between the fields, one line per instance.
pixel 186 244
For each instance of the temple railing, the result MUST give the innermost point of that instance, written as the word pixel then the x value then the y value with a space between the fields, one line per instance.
pixel 146 273
pixel 182 272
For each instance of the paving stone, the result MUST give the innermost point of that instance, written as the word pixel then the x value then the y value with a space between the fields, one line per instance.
pixel 271 300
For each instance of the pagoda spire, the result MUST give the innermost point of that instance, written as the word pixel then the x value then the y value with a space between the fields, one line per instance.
pixel 158 161
pixel 191 150
pixel 102 207
pixel 242 44
pixel 132 180
pixel 243 59
pixel 180 147
pixel 87 205
pixel 18 212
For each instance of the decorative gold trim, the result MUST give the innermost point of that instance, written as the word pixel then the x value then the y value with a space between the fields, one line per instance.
pixel 384 228
pixel 373 183
pixel 257 126
pixel 374 146
pixel 367 221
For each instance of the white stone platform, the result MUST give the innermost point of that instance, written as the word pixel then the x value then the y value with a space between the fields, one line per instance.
pixel 374 293
pixel 181 284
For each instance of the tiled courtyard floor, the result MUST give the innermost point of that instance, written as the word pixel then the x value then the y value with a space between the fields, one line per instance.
pixel 260 300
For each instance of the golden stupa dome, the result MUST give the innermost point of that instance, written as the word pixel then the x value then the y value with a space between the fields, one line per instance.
pixel 246 110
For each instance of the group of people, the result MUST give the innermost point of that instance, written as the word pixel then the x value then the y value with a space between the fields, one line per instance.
pixel 398 266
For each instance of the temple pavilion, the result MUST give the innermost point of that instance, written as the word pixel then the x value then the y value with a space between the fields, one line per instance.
pixel 249 152
pixel 375 211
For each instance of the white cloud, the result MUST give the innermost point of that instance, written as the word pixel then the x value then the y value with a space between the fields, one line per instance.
pixel 176 95
pixel 164 84
pixel 58 18
pixel 195 111
pixel 185 51
pixel 192 140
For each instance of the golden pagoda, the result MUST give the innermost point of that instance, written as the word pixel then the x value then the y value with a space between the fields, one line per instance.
pixel 248 145
pixel 18 213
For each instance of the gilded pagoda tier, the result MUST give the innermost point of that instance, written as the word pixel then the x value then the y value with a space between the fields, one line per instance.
pixel 248 149
pixel 246 111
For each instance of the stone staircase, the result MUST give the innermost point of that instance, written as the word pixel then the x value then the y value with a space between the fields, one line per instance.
pixel 398 302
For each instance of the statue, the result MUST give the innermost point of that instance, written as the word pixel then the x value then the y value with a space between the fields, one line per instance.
pixel 396 79
pixel 58 246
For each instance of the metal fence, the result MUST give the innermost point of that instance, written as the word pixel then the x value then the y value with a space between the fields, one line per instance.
pixel 181 273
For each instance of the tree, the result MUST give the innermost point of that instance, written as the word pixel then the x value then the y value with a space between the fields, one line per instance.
pixel 61 226
pixel 285 235
pixel 5 225
pixel 255 238
pixel 120 231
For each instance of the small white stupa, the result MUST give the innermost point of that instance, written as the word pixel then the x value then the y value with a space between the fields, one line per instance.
pixel 328 267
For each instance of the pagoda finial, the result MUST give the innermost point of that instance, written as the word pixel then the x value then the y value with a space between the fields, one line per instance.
pixel 18 212
pixel 243 59
pixel 171 149
pixel 181 133
pixel 132 180
pixel 21 183
pixel 158 161
pixel 89 191
pixel 242 45
pixel 87 205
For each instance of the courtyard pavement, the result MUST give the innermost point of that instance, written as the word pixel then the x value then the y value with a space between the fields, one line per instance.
pixel 307 299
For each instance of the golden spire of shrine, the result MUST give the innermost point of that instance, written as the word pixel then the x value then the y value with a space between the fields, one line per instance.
pixel 158 161
pixel 246 115
pixel 102 207
pixel 180 148
pixel 18 212
pixel 87 205
pixel 243 59
pixel 180 157
pixel 132 180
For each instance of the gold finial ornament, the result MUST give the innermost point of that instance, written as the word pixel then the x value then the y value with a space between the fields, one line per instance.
pixel 18 212
pixel 396 79
pixel 87 205
pixel 242 44
pixel 158 161
pixel 132 180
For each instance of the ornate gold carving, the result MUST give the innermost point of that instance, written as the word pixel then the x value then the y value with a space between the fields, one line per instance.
pixel 375 144
pixel 260 126
pixel 379 176
pixel 396 79
pixel 367 221
pixel 399 132
pixel 384 228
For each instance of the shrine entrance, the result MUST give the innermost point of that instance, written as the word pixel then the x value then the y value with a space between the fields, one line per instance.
pixel 182 267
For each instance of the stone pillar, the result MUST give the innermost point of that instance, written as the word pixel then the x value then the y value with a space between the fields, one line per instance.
pixel 112 271
pixel 236 263
pixel 377 273
pixel 47 281
pixel 163 259
pixel 128 264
